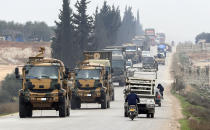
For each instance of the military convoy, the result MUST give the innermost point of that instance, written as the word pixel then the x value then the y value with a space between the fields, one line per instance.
pixel 44 86
pixel 48 85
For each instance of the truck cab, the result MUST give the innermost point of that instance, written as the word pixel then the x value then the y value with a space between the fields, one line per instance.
pixel 148 62
pixel 44 87
pixel 90 87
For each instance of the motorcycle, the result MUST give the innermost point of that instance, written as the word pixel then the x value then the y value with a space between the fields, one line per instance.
pixel 132 112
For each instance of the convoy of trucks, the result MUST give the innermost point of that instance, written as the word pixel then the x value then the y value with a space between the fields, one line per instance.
pixel 48 85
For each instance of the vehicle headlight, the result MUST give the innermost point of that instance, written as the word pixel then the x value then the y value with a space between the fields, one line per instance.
pixel 150 105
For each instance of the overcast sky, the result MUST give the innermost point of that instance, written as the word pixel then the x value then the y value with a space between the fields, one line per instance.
pixel 181 20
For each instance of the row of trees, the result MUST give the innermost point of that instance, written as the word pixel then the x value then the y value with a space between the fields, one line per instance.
pixel 30 31
pixel 77 31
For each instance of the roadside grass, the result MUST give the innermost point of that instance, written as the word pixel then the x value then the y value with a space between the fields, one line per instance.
pixel 184 104
pixel 195 117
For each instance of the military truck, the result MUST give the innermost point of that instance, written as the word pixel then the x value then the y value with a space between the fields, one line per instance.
pixel 118 66
pixel 103 58
pixel 143 84
pixel 160 58
pixel 149 63
pixel 133 52
pixel 44 86
pixel 90 85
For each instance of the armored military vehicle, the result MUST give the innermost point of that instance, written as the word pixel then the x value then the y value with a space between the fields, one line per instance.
pixel 44 86
pixel 90 85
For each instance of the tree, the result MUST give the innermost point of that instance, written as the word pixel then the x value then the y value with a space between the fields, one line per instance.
pixel 128 28
pixel 203 36
pixel 139 29
pixel 30 31
pixel 107 23
pixel 63 46
pixel 83 25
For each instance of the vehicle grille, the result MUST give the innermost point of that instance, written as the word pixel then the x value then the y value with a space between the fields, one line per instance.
pixel 41 90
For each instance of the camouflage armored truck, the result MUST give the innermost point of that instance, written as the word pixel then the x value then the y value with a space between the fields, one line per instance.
pixel 133 52
pixel 44 86
pixel 90 86
pixel 103 58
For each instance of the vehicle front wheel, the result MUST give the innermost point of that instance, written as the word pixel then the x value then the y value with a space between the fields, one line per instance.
pixel 148 115
pixel 104 103
pixel 62 107
pixel 152 115
pixel 22 108
pixel 159 104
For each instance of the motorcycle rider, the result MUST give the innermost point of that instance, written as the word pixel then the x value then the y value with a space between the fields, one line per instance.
pixel 161 89
pixel 132 99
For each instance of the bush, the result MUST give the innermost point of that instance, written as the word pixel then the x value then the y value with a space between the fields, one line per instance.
pixel 10 87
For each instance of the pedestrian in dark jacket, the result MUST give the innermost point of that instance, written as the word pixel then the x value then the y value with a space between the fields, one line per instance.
pixel 132 99
pixel 161 89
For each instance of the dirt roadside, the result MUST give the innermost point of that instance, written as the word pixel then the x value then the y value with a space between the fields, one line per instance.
pixel 176 109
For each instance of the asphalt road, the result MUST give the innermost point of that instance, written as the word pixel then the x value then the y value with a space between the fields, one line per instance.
pixel 91 117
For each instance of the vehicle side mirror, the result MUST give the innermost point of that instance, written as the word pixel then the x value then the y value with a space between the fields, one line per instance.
pixel 106 75
pixel 66 71
pixel 66 75
pixel 17 74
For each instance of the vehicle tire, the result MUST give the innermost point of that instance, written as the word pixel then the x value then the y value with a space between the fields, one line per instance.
pixel 104 103
pixel 68 108
pixel 108 104
pixel 113 96
pixel 22 108
pixel 29 110
pixel 78 102
pixel 62 107
pixel 132 116
pixel 125 114
pixel 159 104
pixel 152 115
pixel 68 111
pixel 73 103
pixel 148 115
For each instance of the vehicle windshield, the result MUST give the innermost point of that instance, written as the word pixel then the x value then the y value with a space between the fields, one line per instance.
pixel 41 72
pixel 128 63
pixel 131 48
pixel 160 56
pixel 88 74
pixel 117 52
pixel 148 60
pixel 117 64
